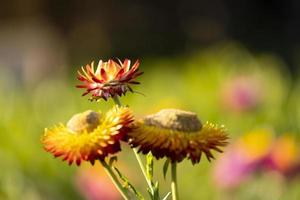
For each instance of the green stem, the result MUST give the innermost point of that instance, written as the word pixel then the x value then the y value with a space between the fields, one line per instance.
pixel 117 100
pixel 137 156
pixel 115 180
pixel 174 181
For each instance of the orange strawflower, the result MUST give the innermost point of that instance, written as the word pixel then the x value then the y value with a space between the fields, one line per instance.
pixel 88 136
pixel 177 135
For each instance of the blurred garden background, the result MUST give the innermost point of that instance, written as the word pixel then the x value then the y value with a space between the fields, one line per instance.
pixel 232 62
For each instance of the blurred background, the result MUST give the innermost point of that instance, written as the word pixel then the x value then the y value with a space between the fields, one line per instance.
pixel 232 62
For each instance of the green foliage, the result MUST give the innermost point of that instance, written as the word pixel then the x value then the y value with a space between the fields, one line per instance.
pixel 128 185
pixel 149 166
pixel 166 167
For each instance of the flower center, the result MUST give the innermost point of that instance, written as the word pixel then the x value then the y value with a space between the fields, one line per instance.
pixel 85 121
pixel 175 119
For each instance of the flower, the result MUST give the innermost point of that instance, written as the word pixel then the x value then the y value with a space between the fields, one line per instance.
pixel 242 93
pixel 256 151
pixel 242 158
pixel 177 134
pixel 109 80
pixel 89 135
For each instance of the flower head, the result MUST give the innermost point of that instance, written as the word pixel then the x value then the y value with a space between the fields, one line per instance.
pixel 256 151
pixel 242 158
pixel 242 93
pixel 89 135
pixel 177 134
pixel 109 79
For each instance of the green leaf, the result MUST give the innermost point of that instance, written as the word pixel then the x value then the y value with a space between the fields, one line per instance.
pixel 155 194
pixel 156 191
pixel 167 195
pixel 128 185
pixel 165 168
pixel 149 166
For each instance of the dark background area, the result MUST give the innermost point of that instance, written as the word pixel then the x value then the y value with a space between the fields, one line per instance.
pixel 141 28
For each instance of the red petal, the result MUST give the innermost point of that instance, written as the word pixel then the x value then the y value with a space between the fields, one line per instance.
pixel 81 86
pixel 135 66
pixel 95 78
pixel 85 93
pixel 103 74
pixel 126 65
pixel 81 78
pixel 120 73
pixel 78 161
pixel 137 74
pixel 89 69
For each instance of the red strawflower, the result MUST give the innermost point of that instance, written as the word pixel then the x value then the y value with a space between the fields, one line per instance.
pixel 110 78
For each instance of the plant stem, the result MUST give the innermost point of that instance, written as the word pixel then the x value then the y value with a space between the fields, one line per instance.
pixel 115 180
pixel 174 181
pixel 137 156
pixel 117 100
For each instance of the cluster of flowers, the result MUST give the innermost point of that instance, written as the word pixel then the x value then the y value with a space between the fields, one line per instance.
pixel 255 152
pixel 93 135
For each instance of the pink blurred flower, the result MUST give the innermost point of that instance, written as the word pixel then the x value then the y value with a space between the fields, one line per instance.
pixel 232 169
pixel 257 151
pixel 242 158
pixel 94 184
pixel 242 93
